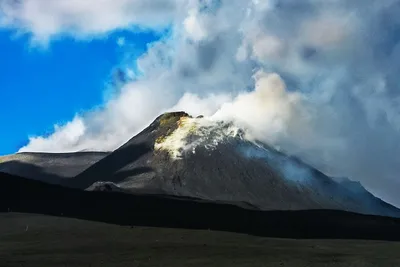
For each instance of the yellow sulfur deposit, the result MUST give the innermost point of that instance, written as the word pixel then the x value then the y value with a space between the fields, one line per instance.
pixel 202 132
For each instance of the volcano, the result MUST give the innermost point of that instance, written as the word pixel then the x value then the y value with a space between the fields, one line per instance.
pixel 197 157
pixel 49 167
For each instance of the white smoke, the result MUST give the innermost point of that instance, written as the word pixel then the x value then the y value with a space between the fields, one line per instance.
pixel 316 78
pixel 269 112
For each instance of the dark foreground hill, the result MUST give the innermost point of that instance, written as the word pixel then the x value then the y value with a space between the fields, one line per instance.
pixel 178 155
pixel 29 240
pixel 29 196
pixel 49 167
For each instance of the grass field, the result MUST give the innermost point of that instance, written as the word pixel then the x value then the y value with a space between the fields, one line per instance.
pixel 36 240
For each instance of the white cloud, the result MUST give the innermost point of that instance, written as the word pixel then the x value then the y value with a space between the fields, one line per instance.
pixel 48 18
pixel 194 26
pixel 121 41
pixel 267 47
pixel 63 139
pixel 327 30
pixel 334 99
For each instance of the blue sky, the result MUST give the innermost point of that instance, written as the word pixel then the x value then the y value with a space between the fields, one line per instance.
pixel 42 86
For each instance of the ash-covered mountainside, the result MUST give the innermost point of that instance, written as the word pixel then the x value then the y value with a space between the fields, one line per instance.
pixel 198 157
pixel 49 167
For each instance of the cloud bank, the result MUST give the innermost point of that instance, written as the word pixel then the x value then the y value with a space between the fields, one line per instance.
pixel 316 78
pixel 46 19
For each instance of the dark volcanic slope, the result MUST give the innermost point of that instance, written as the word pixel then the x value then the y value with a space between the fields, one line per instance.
pixel 30 196
pixel 236 170
pixel 49 167
pixel 47 241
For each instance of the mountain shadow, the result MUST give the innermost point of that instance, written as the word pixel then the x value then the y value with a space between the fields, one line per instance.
pixel 112 167
pixel 23 195
pixel 30 171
